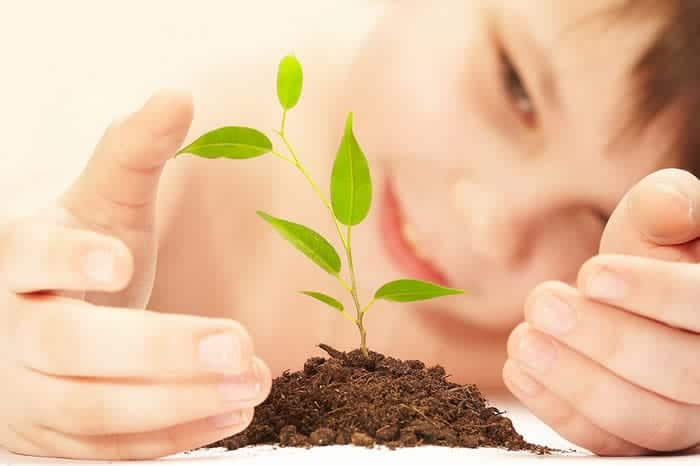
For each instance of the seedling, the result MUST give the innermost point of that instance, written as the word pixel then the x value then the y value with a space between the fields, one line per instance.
pixel 350 200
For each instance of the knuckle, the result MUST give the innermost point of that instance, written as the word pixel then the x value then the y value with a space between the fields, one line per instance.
pixel 131 158
pixel 158 140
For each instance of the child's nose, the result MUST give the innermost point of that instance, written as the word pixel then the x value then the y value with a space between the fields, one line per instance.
pixel 494 225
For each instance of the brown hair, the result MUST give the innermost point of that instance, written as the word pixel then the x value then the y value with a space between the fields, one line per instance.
pixel 668 72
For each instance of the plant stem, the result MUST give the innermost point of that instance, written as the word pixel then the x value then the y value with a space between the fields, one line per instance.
pixel 348 317
pixel 369 304
pixel 355 299
pixel 343 284
pixel 345 240
pixel 318 192
pixel 282 157
pixel 320 195
pixel 363 339
pixel 284 120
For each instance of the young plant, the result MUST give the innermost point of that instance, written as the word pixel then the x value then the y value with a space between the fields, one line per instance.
pixel 350 200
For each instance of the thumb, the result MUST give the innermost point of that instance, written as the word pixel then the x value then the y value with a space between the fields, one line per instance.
pixel 661 210
pixel 118 186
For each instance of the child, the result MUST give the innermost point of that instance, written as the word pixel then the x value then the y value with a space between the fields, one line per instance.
pixel 521 153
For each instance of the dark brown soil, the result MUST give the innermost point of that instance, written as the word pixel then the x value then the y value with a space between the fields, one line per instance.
pixel 349 399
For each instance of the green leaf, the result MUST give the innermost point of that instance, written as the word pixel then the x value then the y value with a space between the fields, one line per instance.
pixel 312 244
pixel 324 298
pixel 351 184
pixel 413 290
pixel 290 79
pixel 233 142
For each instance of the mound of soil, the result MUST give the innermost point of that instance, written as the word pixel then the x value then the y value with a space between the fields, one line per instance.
pixel 350 399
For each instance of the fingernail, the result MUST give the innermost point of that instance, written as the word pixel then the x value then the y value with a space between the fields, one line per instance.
pixel 682 200
pixel 222 353
pixel 243 388
pixel 525 384
pixel 228 420
pixel 552 315
pixel 606 285
pixel 99 266
pixel 536 353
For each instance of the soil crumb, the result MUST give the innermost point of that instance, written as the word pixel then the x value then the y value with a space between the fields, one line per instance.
pixel 349 399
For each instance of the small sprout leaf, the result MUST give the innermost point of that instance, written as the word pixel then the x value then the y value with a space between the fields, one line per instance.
pixel 324 298
pixel 290 79
pixel 351 184
pixel 313 245
pixel 413 290
pixel 232 142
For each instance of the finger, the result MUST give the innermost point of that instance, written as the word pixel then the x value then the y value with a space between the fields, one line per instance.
pixel 117 188
pixel 626 411
pixel 635 348
pixel 65 337
pixel 660 212
pixel 39 257
pixel 137 446
pixel 564 419
pixel 667 292
pixel 88 406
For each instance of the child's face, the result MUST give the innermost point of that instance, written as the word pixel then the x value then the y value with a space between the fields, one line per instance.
pixel 505 175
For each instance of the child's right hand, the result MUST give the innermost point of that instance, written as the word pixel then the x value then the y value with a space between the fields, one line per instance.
pixel 86 372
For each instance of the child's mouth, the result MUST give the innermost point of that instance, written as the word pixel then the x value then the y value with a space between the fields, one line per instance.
pixel 399 242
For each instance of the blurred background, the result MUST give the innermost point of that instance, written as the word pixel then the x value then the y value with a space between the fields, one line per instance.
pixel 70 67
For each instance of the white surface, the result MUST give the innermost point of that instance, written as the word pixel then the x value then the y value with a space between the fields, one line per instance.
pixel 531 428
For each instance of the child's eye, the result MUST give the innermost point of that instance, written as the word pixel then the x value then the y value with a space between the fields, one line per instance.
pixel 517 93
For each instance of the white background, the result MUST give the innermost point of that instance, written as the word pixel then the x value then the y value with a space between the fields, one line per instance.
pixel 69 67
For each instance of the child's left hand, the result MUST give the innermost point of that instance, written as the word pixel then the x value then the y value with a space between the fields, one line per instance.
pixel 614 363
